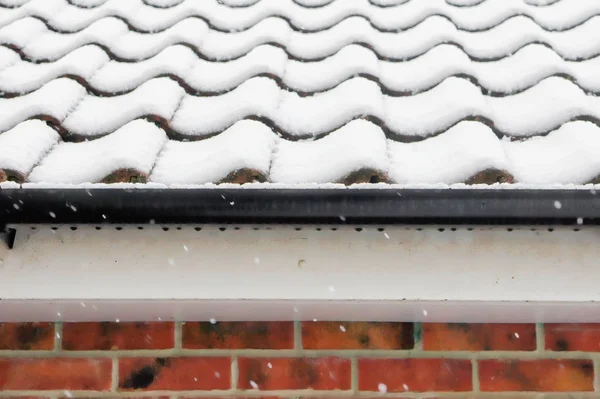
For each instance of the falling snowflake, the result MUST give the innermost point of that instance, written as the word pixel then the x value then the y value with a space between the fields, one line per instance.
pixel 213 321
pixel 342 218
pixel 269 365
pixel 557 204
pixel 16 206
pixel 253 384
pixel 331 288
pixel 342 329
pixel 52 215
pixel 425 313
pixel 217 374
pixel 580 221
pixel 517 335
pixel 386 235
pixel 171 262
pixel 382 388
pixel 68 394
pixel 405 387
pixel 185 248
pixel 257 260
pixel 82 304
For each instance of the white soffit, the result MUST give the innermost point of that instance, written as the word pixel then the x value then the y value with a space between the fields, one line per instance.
pixel 231 272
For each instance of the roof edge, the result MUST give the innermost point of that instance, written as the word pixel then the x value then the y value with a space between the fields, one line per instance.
pixel 331 206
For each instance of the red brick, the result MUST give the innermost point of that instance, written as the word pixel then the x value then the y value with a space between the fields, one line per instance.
pixel 232 397
pixel 112 336
pixel 177 373
pixel 536 375
pixel 56 373
pixel 572 337
pixel 478 337
pixel 73 395
pixel 25 397
pixel 26 336
pixel 419 375
pixel 115 397
pixel 294 373
pixel 357 335
pixel 238 335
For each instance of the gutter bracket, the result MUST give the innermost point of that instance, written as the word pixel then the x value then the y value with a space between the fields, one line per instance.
pixel 8 235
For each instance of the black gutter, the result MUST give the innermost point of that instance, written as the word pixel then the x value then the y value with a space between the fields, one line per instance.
pixel 297 206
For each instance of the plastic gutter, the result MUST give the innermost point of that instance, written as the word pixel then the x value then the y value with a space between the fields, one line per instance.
pixel 298 206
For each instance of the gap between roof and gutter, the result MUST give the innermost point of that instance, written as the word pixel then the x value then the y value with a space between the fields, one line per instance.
pixel 278 254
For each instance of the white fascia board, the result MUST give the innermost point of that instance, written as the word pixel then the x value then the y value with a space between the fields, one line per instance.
pixel 427 273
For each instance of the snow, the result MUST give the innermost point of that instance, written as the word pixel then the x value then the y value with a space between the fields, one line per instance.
pixel 8 57
pixel 134 146
pixel 452 157
pixel 336 87
pixel 146 16
pixel 415 29
pixel 323 112
pixel 567 155
pixel 118 76
pixel 22 147
pixel 357 145
pixel 528 66
pixel 247 144
pixel 9 185
pixel 221 76
pixel 54 99
pixel 23 77
pixel 205 115
pixel 545 106
pixel 100 115
pixel 163 3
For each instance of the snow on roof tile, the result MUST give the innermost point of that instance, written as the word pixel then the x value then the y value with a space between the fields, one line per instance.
pixel 300 91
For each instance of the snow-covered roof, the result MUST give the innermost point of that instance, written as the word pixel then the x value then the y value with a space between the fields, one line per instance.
pixel 300 91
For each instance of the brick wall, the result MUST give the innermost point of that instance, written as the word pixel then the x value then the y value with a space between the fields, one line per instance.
pixel 310 359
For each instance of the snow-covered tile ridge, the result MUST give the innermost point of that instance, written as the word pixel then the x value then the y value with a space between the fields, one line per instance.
pixel 8 57
pixel 131 149
pixel 552 102
pixel 355 147
pixel 457 156
pixel 37 42
pixel 453 157
pixel 12 3
pixel 66 17
pixel 246 146
pixel 94 116
pixel 547 105
pixel 53 101
pixel 90 65
pixel 566 155
pixel 23 76
pixel 23 147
